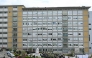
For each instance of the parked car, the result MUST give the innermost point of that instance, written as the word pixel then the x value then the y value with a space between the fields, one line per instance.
pixel 10 54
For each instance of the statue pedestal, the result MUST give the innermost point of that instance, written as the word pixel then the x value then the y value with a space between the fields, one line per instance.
pixel 37 54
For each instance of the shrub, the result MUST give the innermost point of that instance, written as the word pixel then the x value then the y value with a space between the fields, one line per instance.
pixel 27 57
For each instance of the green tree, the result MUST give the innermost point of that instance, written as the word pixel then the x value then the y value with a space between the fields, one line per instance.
pixel 30 49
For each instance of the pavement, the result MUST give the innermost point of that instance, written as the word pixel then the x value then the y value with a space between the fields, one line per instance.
pixel 2 54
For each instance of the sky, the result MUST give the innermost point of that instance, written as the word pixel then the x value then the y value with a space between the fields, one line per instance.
pixel 48 3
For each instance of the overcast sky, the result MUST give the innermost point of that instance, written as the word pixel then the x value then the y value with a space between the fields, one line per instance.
pixel 47 3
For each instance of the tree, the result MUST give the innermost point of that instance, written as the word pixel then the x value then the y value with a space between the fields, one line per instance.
pixel 30 50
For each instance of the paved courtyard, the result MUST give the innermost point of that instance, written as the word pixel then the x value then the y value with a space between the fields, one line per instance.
pixel 2 54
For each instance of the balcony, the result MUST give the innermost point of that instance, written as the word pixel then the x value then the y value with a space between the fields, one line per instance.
pixel 15 9
pixel 4 40
pixel 15 14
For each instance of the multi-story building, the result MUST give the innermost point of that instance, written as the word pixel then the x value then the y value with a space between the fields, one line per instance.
pixel 57 29
pixel 90 31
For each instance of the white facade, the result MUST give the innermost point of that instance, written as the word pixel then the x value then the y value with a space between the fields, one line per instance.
pixel 44 29
pixel 90 31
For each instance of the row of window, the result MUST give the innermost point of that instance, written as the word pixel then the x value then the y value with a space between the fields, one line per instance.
pixel 71 12
pixel 54 17
pixel 55 34
pixel 55 28
pixel 3 27
pixel 53 39
pixel 53 23
pixel 3 43
pixel 3 37
pixel 3 32
pixel 3 22
pixel 52 44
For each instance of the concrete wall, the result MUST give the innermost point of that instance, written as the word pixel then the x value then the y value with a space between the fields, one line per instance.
pixel 90 31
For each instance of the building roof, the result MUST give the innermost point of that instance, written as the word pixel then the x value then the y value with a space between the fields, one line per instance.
pixel 10 5
pixel 50 8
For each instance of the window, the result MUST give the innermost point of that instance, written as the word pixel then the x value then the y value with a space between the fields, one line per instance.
pixel 59 12
pixel 34 18
pixel 75 39
pixel 24 18
pixel 65 23
pixel 29 33
pixel 70 33
pixel 49 23
pixel 5 43
pixel 80 39
pixel 44 12
pixel 4 32
pixel 44 39
pixel 50 33
pixel 24 44
pixel 59 17
pixel 80 33
pixel 64 18
pixel 39 13
pixel 14 18
pixel 65 29
pixel 59 44
pixel 25 12
pixel 14 6
pixel 80 44
pixel 89 28
pixel 0 37
pixel 75 34
pixel 75 28
pixel 80 28
pixel 64 12
pixel 49 28
pixel 80 12
pixel 49 18
pixel 54 12
pixel 80 17
pixel 24 39
pixel 14 34
pixel 54 23
pixel 75 18
pixel 4 37
pixel 70 23
pixel 24 29
pixel 74 12
pixel 65 34
pixel 59 28
pixel 89 47
pixel 75 23
pixel 14 13
pixel 69 17
pixel 24 33
pixel 59 38
pixel 15 24
pixel 39 23
pixel 29 12
pixel 59 33
pixel 14 29
pixel 49 12
pixel 40 18
pixel 80 23
pixel 69 12
pixel 54 34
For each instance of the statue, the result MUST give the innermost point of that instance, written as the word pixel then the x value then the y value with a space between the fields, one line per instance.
pixel 37 50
